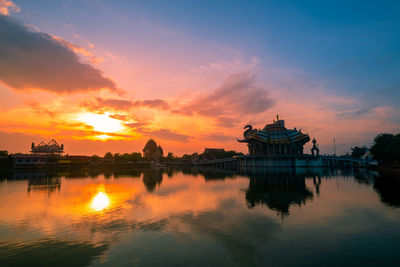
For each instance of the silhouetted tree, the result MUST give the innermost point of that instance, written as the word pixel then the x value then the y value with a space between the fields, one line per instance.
pixel 108 155
pixel 170 156
pixel 126 157
pixel 358 152
pixel 95 158
pixel 136 156
pixel 186 157
pixel 117 156
pixel 195 156
pixel 386 148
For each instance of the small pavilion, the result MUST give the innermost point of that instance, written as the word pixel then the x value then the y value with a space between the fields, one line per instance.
pixel 274 140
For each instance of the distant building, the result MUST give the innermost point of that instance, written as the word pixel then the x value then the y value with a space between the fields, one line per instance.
pixel 51 147
pixel 43 155
pixel 29 160
pixel 274 140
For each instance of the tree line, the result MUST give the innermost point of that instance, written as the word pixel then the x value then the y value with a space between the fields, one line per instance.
pixel 385 149
pixel 151 151
pixel 154 152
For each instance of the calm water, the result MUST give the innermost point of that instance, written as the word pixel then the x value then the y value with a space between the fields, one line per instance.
pixel 198 218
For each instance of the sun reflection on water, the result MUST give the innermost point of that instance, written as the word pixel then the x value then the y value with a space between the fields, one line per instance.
pixel 100 201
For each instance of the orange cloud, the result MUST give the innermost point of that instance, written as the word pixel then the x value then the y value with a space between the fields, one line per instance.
pixel 6 6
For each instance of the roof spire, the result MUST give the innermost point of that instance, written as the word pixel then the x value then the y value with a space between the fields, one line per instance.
pixel 277 117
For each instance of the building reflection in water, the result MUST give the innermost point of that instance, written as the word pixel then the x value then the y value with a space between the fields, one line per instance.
pixel 152 178
pixel 41 180
pixel 50 184
pixel 277 188
pixel 317 183
pixel 280 188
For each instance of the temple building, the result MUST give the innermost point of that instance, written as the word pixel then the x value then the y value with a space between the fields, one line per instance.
pixel 274 140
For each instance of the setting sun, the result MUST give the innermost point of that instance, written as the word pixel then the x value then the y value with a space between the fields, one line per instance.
pixel 100 201
pixel 101 122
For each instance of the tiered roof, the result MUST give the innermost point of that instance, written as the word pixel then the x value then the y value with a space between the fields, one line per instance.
pixel 276 133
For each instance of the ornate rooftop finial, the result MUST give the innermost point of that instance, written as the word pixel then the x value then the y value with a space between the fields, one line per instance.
pixel 315 148
pixel 277 117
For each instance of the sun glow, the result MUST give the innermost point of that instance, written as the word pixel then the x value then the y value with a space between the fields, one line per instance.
pixel 101 122
pixel 100 201
pixel 103 137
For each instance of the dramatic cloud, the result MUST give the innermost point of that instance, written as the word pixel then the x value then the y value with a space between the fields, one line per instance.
pixel 36 60
pixel 123 104
pixel 167 134
pixel 238 96
pixel 6 6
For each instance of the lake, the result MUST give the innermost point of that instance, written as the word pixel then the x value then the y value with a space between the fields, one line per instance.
pixel 278 217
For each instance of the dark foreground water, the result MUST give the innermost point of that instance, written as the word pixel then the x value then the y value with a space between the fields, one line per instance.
pixel 200 218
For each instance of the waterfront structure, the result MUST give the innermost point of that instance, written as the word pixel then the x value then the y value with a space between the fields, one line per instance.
pixel 51 147
pixel 29 160
pixel 42 156
pixel 274 140
pixel 277 146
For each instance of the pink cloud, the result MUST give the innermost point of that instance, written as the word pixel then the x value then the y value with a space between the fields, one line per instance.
pixel 238 97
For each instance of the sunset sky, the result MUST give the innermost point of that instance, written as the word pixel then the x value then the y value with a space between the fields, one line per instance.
pixel 103 76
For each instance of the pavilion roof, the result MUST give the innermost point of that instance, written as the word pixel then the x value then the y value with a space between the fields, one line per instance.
pixel 276 133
